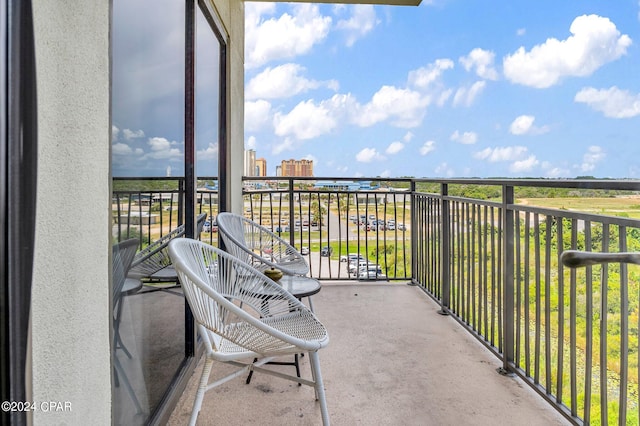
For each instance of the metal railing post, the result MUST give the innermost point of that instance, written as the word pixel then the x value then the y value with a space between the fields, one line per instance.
pixel 445 271
pixel 414 234
pixel 292 215
pixel 181 195
pixel 508 293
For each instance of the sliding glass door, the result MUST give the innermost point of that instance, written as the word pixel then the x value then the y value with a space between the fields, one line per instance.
pixel 168 88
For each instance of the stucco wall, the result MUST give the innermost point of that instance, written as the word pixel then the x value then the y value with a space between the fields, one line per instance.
pixel 236 105
pixel 231 13
pixel 70 309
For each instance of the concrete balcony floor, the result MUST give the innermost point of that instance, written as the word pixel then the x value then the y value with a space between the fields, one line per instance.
pixel 392 360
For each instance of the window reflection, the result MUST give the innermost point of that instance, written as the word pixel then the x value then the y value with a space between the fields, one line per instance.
pixel 148 128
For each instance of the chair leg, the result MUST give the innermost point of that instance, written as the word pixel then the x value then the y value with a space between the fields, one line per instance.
pixel 119 344
pixel 250 373
pixel 315 368
pixel 202 388
pixel 118 370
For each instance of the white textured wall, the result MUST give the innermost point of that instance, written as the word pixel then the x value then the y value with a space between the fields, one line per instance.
pixel 231 13
pixel 70 308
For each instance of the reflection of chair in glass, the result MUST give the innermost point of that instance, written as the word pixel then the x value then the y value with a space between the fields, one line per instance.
pixel 152 264
pixel 259 246
pixel 241 315
pixel 123 254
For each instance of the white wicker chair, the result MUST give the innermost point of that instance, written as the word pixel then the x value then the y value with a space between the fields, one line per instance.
pixel 153 263
pixel 123 254
pixel 259 246
pixel 244 318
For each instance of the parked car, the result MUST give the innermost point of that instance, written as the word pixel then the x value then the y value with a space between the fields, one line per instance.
pixel 210 227
pixel 355 266
pixel 304 251
pixel 326 251
pixel 371 272
pixel 401 227
pixel 351 257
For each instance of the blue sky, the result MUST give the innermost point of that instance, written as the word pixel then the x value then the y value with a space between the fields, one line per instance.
pixel 451 88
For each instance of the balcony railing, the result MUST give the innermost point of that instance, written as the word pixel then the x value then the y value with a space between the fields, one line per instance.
pixel 488 251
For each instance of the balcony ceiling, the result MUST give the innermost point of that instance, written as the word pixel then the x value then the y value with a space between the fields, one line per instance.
pixel 381 2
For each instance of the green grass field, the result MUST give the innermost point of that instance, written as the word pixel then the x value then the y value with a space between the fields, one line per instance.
pixel 611 206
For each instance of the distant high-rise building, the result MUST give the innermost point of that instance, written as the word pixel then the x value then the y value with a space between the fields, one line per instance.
pixel 297 167
pixel 261 167
pixel 249 162
pixel 278 170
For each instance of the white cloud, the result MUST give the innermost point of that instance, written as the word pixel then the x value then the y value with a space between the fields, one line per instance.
pixel 595 40
pixel 507 153
pixel 523 125
pixel 408 136
pixel 209 153
pixel 132 134
pixel 362 21
pixel 159 144
pixel 305 121
pixel 443 169
pixel 250 143
pixel 286 145
pixel 161 148
pixel 403 107
pixel 114 133
pixel 309 119
pixel 443 97
pixel 283 81
pixel 557 172
pixel 612 102
pixel 284 37
pixel 525 165
pixel 424 77
pixel 482 62
pixel 427 147
pixel 551 171
pixel 591 158
pixel 466 96
pixel 367 155
pixel 257 114
pixel 521 31
pixel 467 138
pixel 394 148
pixel 121 149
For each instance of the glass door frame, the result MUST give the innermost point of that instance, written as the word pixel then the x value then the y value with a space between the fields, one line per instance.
pixel 193 349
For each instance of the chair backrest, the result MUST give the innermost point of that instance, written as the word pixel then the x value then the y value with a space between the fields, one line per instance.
pixel 259 246
pixel 155 256
pixel 123 254
pixel 200 220
pixel 234 300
